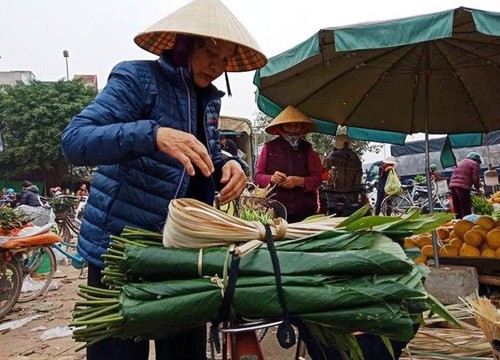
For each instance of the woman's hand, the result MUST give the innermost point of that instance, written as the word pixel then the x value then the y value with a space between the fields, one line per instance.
pixel 234 179
pixel 278 177
pixel 291 182
pixel 186 148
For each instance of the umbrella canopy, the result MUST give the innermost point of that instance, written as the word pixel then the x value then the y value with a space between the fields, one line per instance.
pixel 436 74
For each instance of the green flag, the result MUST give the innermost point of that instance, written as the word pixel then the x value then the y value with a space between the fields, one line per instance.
pixel 447 157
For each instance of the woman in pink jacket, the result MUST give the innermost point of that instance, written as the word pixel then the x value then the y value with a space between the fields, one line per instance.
pixel 289 162
pixel 465 175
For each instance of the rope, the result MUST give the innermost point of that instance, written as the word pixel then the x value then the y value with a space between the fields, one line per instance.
pixel 200 262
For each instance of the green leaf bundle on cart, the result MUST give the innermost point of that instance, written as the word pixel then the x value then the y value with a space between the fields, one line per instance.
pixel 336 280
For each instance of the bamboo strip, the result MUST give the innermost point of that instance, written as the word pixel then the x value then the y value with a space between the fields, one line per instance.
pixel 193 224
pixel 433 343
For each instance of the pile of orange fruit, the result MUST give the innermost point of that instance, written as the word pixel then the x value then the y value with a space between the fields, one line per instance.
pixel 494 198
pixel 462 238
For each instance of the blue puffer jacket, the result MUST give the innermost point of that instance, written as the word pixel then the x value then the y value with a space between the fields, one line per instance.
pixel 134 182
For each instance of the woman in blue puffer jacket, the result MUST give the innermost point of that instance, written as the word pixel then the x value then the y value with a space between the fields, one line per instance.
pixel 152 131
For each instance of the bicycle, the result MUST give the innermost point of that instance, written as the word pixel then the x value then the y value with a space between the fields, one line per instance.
pixel 20 259
pixel 38 266
pixel 76 260
pixel 414 196
pixel 241 340
pixel 11 281
pixel 68 211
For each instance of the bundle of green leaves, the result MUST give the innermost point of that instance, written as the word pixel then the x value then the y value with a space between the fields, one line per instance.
pixel 355 278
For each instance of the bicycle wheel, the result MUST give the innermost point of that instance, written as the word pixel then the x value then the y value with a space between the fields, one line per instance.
pixel 38 270
pixel 442 203
pixel 11 280
pixel 395 205
pixel 74 226
pixel 64 231
pixel 69 232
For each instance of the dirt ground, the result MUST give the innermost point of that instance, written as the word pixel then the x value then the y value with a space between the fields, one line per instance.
pixel 54 310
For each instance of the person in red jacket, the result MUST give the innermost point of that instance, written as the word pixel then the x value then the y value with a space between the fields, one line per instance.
pixel 290 162
pixel 465 175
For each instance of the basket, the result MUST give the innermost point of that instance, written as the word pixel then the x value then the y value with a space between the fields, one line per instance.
pixel 278 208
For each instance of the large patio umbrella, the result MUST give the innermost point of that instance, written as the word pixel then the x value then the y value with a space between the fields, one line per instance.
pixel 434 74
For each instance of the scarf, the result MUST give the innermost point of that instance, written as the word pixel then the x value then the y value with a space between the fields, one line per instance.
pixel 293 140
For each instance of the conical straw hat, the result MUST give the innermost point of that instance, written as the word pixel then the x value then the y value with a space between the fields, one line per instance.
pixel 291 115
pixel 208 18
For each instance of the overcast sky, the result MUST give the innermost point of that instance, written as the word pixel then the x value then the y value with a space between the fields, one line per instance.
pixel 99 33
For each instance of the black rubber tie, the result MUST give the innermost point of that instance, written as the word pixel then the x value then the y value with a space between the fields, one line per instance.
pixel 286 334
pixel 227 300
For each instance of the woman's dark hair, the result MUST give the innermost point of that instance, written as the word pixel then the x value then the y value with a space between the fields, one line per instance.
pixel 183 48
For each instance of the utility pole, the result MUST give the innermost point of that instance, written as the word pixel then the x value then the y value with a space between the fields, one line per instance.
pixel 66 56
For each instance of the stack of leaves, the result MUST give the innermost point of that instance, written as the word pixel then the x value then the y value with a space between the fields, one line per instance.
pixel 354 278
pixel 63 205
pixel 11 222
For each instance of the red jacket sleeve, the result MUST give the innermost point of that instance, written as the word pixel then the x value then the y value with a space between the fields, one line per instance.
pixel 261 178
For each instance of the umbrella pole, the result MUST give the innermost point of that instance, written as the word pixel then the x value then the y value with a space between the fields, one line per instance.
pixel 429 195
pixel 426 74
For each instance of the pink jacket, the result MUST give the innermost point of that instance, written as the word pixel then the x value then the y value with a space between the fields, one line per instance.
pixel 465 175
pixel 278 155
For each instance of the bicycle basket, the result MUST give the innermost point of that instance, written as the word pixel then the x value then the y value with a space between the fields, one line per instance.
pixel 275 208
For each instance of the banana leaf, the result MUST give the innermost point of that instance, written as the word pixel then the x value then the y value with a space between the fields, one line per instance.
pixel 332 240
pixel 388 319
pixel 411 223
pixel 155 308
pixel 358 214
pixel 382 257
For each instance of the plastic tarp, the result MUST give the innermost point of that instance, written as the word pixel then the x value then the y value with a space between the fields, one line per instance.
pixel 436 144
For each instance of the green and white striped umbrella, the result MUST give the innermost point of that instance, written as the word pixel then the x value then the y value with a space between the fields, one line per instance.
pixel 435 74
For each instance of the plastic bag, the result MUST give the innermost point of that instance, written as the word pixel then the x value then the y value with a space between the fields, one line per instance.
pixel 34 230
pixel 392 185
pixel 15 324
pixel 38 215
pixel 57 332
pixel 30 284
pixel 442 187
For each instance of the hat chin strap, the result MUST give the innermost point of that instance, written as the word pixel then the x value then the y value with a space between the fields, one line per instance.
pixel 227 85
